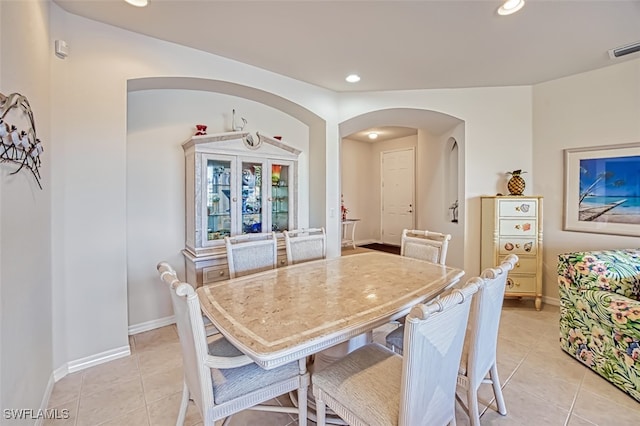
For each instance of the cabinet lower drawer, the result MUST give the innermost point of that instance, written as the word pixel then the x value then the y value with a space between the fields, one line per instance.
pixel 521 284
pixel 215 273
pixel 525 265
pixel 518 246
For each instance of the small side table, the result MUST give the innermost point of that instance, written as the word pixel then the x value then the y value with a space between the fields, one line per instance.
pixel 345 232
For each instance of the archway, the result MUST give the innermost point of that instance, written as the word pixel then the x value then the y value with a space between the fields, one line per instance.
pixel 435 130
pixel 160 111
pixel 317 125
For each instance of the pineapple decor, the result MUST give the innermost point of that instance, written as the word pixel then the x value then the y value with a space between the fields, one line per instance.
pixel 516 183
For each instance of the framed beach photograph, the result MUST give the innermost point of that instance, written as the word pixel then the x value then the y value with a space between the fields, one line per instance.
pixel 602 189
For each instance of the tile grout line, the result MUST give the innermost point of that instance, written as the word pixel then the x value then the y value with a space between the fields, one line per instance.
pixel 75 421
pixel 575 398
pixel 144 392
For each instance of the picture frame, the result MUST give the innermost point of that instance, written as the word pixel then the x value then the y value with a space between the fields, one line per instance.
pixel 602 189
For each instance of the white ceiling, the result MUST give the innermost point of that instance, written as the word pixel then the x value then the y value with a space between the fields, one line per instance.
pixel 384 133
pixel 393 45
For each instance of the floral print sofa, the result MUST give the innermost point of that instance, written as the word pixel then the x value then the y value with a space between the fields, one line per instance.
pixel 600 313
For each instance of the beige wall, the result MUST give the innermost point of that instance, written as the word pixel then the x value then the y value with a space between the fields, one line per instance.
pixel 433 204
pixel 358 187
pixel 26 343
pixel 601 107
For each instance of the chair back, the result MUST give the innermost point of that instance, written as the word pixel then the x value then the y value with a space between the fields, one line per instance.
pixel 433 342
pixel 485 320
pixel 251 253
pixel 425 245
pixel 304 245
pixel 191 332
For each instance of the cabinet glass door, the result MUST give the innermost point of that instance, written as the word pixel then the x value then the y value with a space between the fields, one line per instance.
pixel 218 199
pixel 280 181
pixel 251 196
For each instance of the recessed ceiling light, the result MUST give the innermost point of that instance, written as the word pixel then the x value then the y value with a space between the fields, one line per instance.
pixel 510 6
pixel 373 135
pixel 138 3
pixel 353 78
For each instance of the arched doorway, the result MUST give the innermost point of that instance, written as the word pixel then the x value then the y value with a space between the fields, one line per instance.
pixel 435 168
pixel 155 174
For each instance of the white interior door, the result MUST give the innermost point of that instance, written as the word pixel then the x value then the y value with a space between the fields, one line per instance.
pixel 398 183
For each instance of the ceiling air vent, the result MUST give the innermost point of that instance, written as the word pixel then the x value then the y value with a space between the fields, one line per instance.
pixel 624 50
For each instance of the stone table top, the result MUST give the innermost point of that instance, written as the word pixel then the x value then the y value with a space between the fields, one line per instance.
pixel 288 313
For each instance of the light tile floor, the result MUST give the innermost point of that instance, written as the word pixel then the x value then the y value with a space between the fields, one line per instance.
pixel 542 385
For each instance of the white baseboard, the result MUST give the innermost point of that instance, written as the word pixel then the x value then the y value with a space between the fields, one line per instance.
pixel 101 358
pixel 60 372
pixel 365 242
pixel 78 365
pixel 551 300
pixel 151 325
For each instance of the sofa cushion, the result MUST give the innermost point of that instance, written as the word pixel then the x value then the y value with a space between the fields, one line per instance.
pixel 616 271
pixel 600 313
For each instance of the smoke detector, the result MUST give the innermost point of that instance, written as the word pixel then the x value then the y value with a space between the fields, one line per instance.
pixel 624 50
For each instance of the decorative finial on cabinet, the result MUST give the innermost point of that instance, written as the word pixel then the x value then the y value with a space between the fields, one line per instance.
pixel 248 139
pixel 237 128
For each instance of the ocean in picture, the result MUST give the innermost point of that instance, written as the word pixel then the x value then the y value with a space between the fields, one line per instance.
pixel 609 190
pixel 616 209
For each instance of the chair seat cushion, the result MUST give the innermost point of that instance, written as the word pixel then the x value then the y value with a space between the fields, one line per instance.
pixel 396 338
pixel 222 347
pixel 231 383
pixel 372 367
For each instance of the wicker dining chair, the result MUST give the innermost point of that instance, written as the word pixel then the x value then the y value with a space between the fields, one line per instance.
pixel 478 364
pixel 251 253
pixel 424 245
pixel 303 245
pixel 219 378
pixel 374 386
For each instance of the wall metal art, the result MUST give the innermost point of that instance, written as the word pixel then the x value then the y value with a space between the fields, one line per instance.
pixel 19 146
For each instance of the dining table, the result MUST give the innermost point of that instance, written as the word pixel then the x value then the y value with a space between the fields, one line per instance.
pixel 289 313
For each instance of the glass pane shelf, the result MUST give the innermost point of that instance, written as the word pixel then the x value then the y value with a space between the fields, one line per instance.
pixel 218 199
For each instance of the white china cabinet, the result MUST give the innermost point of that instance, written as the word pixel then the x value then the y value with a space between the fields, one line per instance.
pixel 234 187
